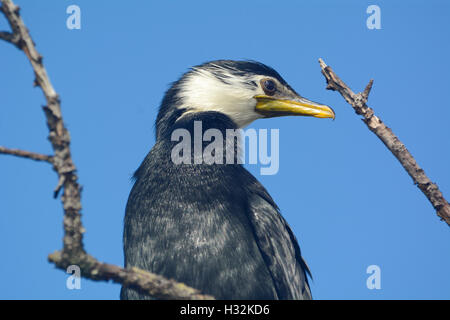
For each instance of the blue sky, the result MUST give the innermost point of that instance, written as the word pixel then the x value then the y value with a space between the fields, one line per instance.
pixel 347 199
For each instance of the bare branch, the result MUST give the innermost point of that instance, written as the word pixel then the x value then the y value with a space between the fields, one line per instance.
pixel 140 280
pixel 26 154
pixel 390 140
pixel 73 252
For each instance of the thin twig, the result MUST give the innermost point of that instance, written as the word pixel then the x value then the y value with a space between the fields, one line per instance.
pixel 26 154
pixel 73 252
pixel 390 140
pixel 9 37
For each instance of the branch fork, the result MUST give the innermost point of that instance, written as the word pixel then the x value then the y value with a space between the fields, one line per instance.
pixel 390 140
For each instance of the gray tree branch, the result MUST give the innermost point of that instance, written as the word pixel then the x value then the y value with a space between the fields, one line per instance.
pixel 390 140
pixel 26 154
pixel 73 252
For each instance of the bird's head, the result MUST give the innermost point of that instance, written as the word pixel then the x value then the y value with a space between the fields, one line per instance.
pixel 242 90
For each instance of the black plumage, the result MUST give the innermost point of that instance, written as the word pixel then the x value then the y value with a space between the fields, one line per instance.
pixel 213 227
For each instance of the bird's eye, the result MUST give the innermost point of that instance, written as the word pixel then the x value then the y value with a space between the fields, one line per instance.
pixel 268 86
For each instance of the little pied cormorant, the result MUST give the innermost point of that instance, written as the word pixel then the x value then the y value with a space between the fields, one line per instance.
pixel 214 227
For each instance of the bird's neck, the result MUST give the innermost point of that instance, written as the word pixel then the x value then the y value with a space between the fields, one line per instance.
pixel 208 120
pixel 201 138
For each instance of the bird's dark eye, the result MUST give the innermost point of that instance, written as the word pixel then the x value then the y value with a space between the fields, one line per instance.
pixel 268 86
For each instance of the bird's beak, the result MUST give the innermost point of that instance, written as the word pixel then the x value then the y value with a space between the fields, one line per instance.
pixel 276 107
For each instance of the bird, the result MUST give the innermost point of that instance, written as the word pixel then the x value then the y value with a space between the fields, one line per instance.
pixel 213 226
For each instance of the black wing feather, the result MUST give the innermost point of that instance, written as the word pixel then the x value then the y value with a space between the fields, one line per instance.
pixel 278 246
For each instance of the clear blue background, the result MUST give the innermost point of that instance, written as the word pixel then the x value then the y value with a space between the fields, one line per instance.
pixel 347 198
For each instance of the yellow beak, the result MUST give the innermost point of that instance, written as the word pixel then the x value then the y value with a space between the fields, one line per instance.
pixel 274 107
